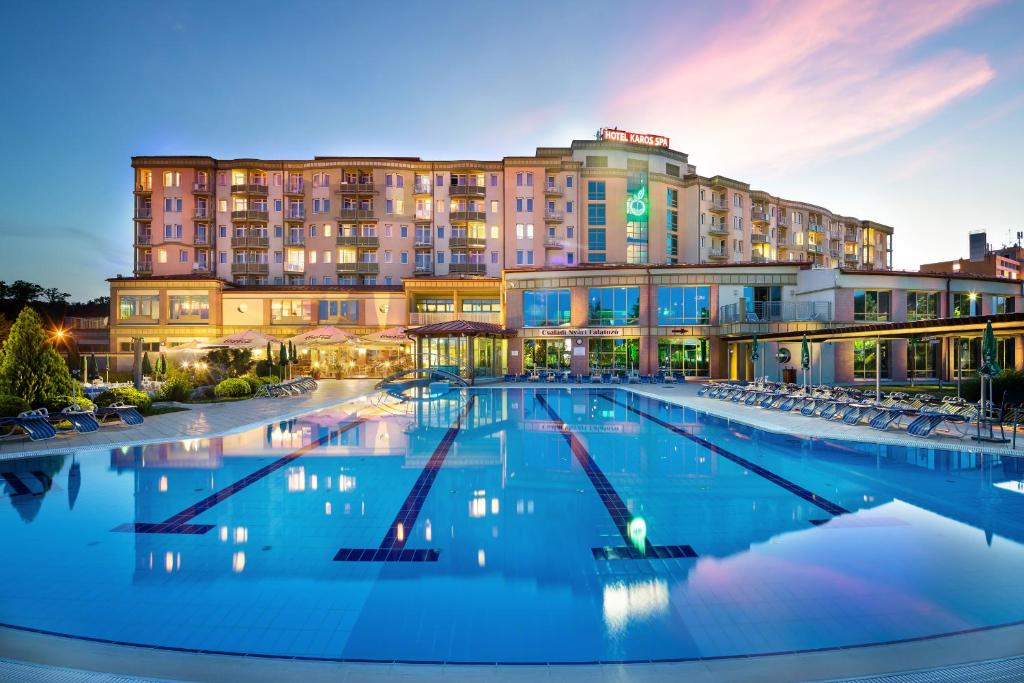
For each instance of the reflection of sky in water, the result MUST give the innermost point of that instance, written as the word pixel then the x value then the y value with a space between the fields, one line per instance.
pixel 932 543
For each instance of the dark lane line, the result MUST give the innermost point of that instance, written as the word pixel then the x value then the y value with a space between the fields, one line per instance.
pixel 178 523
pixel 392 546
pixel 811 497
pixel 616 508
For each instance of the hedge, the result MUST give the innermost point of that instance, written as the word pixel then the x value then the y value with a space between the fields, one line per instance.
pixel 126 395
pixel 233 387
pixel 10 406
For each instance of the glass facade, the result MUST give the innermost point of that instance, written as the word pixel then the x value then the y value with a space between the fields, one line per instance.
pixel 966 304
pixel 686 356
pixel 614 306
pixel 615 354
pixel 546 354
pixel 139 307
pixel 291 310
pixel 189 308
pixel 922 306
pixel 684 305
pixel 339 311
pixel 864 359
pixel 871 305
pixel 546 307
pixel 921 359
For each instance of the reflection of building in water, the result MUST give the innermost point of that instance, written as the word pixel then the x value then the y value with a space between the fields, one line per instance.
pixel 27 481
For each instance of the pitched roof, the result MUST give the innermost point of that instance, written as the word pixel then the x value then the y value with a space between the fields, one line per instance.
pixel 453 327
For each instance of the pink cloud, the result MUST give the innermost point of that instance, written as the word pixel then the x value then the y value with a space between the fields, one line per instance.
pixel 783 82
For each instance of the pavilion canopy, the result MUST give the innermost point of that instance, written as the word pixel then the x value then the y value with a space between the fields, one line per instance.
pixel 323 336
pixel 460 327
pixel 250 339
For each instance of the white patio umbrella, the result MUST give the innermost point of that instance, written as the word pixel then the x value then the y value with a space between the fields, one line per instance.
pixel 192 346
pixel 392 335
pixel 250 339
pixel 322 336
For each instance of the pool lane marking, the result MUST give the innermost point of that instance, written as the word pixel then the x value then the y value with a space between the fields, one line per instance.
pixel 811 497
pixel 178 523
pixel 392 546
pixel 613 503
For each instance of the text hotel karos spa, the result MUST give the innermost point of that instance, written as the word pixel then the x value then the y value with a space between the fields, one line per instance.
pixel 601 255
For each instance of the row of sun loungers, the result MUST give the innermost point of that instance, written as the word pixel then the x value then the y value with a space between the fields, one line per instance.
pixel 597 378
pixel 41 424
pixel 294 387
pixel 922 413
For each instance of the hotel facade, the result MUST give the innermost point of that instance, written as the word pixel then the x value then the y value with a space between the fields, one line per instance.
pixel 604 255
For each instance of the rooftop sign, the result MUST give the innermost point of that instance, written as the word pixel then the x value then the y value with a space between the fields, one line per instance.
pixel 616 135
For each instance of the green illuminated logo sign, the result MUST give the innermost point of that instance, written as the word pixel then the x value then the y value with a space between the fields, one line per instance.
pixel 637 205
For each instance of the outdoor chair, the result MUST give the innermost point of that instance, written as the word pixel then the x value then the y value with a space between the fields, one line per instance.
pixel 34 425
pixel 127 414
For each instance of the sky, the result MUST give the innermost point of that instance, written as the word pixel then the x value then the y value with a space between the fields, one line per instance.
pixel 908 113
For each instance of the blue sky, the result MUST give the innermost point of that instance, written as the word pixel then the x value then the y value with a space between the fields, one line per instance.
pixel 908 113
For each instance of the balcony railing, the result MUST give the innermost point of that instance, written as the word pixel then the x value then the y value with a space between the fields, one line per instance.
pixel 358 268
pixel 718 229
pixel 850 236
pixel 143 213
pixel 356 215
pixel 816 227
pixel 470 268
pixel 144 267
pixel 422 217
pixel 201 240
pixel 782 221
pixel 202 268
pixel 716 254
pixel 759 258
pixel 463 216
pixel 815 248
pixel 250 241
pixel 363 241
pixel 201 215
pixel 423 269
pixel 249 188
pixel 719 206
pixel 553 243
pixel 144 238
pixel 295 188
pixel 552 215
pixel 553 190
pixel 416 319
pixel 758 216
pixel 295 267
pixel 775 311
pixel 758 237
pixel 250 215
pixel 423 242
pixel 851 257
pixel 467 190
pixel 298 240
pixel 421 188
pixel 201 188
pixel 467 243
pixel 356 188
pixel 250 268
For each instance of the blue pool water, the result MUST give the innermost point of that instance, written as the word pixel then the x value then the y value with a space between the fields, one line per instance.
pixel 511 525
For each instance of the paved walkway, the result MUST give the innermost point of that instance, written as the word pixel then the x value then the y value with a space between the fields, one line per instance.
pixel 202 420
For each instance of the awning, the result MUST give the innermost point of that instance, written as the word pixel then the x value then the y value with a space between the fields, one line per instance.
pixel 323 336
pixel 1002 323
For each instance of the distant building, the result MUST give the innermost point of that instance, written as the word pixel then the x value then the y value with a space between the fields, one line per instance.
pixel 1007 262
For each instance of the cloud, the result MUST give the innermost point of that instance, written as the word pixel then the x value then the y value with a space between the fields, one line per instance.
pixel 781 82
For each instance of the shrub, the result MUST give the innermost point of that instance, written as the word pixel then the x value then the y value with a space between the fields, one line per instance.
pixel 177 387
pixel 55 404
pixel 1013 380
pixel 230 362
pixel 233 387
pixel 10 406
pixel 126 395
pixel 202 393
pixel 254 383
pixel 31 367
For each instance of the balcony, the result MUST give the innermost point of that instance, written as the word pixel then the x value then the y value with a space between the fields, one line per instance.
pixel 759 258
pixel 295 268
pixel 250 268
pixel 295 240
pixel 467 191
pixel 423 269
pixel 718 206
pixel 467 242
pixel 144 238
pixel 553 190
pixel 758 237
pixel 250 241
pixel 468 268
pixel 423 242
pixel 295 214
pixel 249 188
pixel 851 236
pixel 144 267
pixel 464 216
pixel 782 221
pixel 202 268
pixel 143 213
pixel 758 217
pixel 144 189
pixel 358 268
pixel 717 254
pixel 815 248
pixel 201 215
pixel 416 319
pixel 295 188
pixel 356 215
pixel 422 217
pixel 775 311
pixel 816 227
pixel 718 229
pixel 361 241
pixel 422 188
pixel 553 243
pixel 250 215
pixel 356 188
pixel 552 215
pixel 202 240
pixel 201 188
pixel 851 257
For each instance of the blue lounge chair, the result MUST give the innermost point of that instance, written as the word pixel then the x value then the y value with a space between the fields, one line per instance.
pixel 127 414
pixel 33 424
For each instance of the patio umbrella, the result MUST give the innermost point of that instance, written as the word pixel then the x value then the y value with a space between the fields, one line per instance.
pixel 250 339
pixel 392 335
pixel 754 352
pixel 805 357
pixel 989 365
pixel 322 336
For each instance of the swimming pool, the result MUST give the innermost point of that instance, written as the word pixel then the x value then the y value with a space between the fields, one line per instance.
pixel 511 525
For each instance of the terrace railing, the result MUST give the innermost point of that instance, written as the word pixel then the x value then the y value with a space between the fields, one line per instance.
pixel 775 311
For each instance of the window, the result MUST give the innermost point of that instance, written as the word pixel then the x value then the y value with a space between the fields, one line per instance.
pixel 614 354
pixel 672 170
pixel 596 258
pixel 172 179
pixel 519 204
pixel 966 304
pixel 596 239
pixel 440 257
pixel 614 306
pixel 864 359
pixel 494 257
pixel 922 305
pixel 435 306
pixel 1002 304
pixel 339 311
pixel 519 257
pixel 403 257
pixel 189 308
pixel 921 358
pixel 481 306
pixel 547 354
pixel 871 305
pixel 568 181
pixel 494 180
pixel 546 307
pixel 684 305
pixel 568 207
pixel 595 190
pixel 182 256
pixel 687 356
pixel 291 310
pixel 596 214
pixel 403 231
pixel 138 308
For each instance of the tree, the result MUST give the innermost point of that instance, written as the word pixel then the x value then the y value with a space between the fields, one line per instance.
pixel 162 362
pixel 93 368
pixel 55 296
pixel 147 367
pixel 230 362
pixel 5 290
pixel 31 368
pixel 270 360
pixel 283 356
pixel 23 292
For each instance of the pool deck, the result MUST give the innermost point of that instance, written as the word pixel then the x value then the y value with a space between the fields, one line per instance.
pixel 199 421
pixel 33 656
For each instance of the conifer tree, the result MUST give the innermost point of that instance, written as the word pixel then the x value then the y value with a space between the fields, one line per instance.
pixel 31 367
